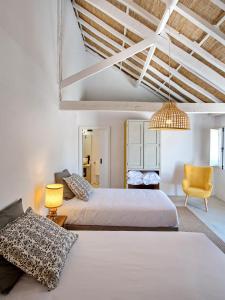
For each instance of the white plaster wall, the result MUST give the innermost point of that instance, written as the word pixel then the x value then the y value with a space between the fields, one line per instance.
pixel 219 174
pixel 177 147
pixel 36 138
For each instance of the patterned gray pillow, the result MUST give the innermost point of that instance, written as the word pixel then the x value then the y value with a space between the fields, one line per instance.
pixel 37 246
pixel 79 186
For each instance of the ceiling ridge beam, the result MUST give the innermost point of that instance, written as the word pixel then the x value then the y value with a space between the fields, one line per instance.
pixel 212 30
pixel 178 36
pixel 167 13
pixel 156 59
pixel 179 55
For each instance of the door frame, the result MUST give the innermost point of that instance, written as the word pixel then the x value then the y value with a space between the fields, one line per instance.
pixel 80 149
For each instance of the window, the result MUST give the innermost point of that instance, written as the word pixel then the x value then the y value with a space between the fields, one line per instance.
pixel 217 147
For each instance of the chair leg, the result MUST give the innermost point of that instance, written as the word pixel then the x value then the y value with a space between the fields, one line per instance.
pixel 206 204
pixel 186 200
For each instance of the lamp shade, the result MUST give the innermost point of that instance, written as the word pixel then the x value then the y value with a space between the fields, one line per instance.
pixel 53 195
pixel 169 117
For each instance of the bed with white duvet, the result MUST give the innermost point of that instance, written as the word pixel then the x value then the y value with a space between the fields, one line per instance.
pixel 121 265
pixel 130 208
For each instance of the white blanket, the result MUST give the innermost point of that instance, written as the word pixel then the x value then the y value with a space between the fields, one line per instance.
pixel 122 207
pixel 135 266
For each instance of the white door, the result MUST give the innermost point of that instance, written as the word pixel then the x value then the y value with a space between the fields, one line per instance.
pixel 151 148
pixel 135 145
pixel 100 158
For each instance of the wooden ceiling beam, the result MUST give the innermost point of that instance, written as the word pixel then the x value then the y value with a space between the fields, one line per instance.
pixel 190 108
pixel 156 59
pixel 179 37
pixel 178 54
pixel 167 13
pixel 107 63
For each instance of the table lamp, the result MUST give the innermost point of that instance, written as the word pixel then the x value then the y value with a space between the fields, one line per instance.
pixel 53 199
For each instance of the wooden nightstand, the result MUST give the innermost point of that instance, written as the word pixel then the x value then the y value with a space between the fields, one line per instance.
pixel 60 220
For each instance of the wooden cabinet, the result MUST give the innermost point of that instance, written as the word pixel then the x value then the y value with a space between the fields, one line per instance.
pixel 142 147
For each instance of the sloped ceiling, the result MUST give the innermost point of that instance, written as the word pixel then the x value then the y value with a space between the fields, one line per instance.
pixel 195 28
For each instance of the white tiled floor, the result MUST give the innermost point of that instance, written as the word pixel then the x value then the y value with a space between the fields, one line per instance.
pixel 214 218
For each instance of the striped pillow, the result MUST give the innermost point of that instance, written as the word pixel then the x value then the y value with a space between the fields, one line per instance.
pixel 79 186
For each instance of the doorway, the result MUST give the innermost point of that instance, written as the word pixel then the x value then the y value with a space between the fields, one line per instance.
pixel 94 155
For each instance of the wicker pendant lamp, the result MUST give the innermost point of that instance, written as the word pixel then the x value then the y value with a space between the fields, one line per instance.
pixel 169 117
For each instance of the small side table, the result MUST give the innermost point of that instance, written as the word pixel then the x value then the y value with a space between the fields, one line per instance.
pixel 59 220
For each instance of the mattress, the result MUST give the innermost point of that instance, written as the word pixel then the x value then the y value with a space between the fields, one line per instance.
pixel 135 265
pixel 122 207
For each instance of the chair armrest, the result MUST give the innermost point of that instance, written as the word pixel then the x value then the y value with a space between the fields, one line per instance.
pixel 208 186
pixel 185 184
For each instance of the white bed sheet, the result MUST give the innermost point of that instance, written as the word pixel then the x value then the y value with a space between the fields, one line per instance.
pixel 122 207
pixel 135 266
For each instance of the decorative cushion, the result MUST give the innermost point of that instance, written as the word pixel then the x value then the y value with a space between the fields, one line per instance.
pixel 9 274
pixel 67 193
pixel 11 212
pixel 79 186
pixel 38 246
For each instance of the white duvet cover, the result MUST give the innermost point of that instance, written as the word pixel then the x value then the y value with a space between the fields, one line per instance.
pixel 135 266
pixel 122 207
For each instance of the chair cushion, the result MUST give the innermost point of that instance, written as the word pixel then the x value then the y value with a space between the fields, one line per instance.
pixel 198 193
pixel 38 246
pixel 9 274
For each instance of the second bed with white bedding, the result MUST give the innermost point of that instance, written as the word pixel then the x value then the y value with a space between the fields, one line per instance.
pixel 123 208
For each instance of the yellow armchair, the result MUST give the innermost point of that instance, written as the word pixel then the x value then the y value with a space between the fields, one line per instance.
pixel 197 183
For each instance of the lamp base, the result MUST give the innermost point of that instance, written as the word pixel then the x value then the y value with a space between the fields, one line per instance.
pixel 52 213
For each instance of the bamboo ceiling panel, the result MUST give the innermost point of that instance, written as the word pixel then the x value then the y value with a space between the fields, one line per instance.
pixel 205 9
pixel 215 48
pixel 100 29
pixel 154 7
pixel 164 57
pixel 142 20
pixel 105 18
pixel 186 27
pixel 118 4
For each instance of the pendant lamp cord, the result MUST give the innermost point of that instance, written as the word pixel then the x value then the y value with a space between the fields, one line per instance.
pixel 169 62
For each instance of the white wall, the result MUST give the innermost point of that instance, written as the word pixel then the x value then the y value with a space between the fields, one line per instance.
pixel 177 147
pixel 36 138
pixel 219 174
